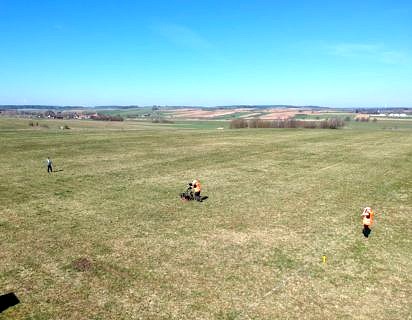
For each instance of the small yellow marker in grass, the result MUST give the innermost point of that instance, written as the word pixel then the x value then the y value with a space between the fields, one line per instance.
pixel 324 259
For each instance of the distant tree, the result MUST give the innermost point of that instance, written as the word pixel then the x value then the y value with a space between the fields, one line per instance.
pixel 50 114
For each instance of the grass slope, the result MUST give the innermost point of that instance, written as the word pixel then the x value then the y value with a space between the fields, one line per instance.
pixel 278 201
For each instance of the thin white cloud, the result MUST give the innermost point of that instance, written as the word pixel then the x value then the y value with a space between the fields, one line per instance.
pixel 394 57
pixel 372 52
pixel 353 49
pixel 183 36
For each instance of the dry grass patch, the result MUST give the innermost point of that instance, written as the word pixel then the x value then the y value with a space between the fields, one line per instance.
pixel 82 264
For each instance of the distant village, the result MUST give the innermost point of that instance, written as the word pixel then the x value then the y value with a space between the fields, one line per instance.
pixel 50 114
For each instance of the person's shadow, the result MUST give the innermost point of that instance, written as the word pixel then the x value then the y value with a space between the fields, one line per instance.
pixel 204 198
pixel 366 231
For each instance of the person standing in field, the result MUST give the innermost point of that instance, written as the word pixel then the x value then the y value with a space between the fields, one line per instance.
pixel 367 220
pixel 198 189
pixel 49 165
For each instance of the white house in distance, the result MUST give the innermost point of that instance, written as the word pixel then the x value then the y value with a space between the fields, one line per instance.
pixel 397 115
pixel 391 115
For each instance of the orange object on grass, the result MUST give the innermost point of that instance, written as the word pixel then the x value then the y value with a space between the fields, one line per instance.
pixel 196 185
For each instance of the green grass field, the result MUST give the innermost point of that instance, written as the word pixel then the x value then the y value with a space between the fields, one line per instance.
pixel 279 200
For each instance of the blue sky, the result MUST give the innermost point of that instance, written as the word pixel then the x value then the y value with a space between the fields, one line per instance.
pixel 96 52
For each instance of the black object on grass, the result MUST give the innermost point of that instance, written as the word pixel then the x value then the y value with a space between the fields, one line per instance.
pixel 8 300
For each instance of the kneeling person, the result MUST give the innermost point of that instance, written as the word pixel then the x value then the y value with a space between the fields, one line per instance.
pixel 198 189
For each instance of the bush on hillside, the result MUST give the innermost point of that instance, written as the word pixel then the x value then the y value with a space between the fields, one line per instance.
pixel 105 117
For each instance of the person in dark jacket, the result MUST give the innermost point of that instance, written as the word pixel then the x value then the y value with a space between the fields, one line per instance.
pixel 49 165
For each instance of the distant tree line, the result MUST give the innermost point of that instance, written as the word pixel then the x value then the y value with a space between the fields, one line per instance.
pixel 333 123
pixel 383 110
pixel 105 117
pixel 162 120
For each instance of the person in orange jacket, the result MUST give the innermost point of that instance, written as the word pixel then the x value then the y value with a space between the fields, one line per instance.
pixel 197 188
pixel 367 220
